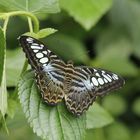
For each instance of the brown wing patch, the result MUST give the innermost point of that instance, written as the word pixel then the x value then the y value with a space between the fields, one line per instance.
pixel 52 93
pixel 78 98
pixel 78 103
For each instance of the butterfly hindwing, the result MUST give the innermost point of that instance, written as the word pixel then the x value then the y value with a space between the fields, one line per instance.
pixel 86 85
pixel 51 90
pixel 44 62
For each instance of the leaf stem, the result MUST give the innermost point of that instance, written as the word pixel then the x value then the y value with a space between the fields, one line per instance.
pixel 30 24
pixel 5 26
pixel 24 68
pixel 31 30
pixel 23 13
pixel 3 87
pixel 25 65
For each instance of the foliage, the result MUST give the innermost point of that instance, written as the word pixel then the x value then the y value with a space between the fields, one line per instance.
pixel 97 33
pixel 3 92
pixel 44 118
pixel 48 122
pixel 88 12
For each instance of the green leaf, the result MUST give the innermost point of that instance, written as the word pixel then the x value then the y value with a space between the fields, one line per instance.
pixel 136 135
pixel 34 6
pixel 45 32
pixel 118 131
pixel 12 107
pixel 42 33
pixel 15 60
pixel 113 51
pixel 125 21
pixel 118 101
pixel 95 134
pixel 136 106
pixel 48 122
pixel 3 123
pixel 86 12
pixel 2 54
pixel 67 47
pixel 97 117
pixel 3 91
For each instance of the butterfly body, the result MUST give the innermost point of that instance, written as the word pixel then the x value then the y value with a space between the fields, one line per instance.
pixel 57 80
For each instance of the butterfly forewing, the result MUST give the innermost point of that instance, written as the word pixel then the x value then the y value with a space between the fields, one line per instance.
pixel 79 86
pixel 45 63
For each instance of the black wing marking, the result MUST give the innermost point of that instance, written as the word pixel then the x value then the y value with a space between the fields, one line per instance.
pixel 86 85
pixel 78 85
pixel 37 53
pixel 49 69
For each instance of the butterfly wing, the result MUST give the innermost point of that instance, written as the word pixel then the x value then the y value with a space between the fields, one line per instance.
pixel 86 85
pixel 49 69
pixel 79 86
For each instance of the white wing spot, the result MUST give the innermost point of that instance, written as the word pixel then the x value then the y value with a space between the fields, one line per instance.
pixel 94 80
pixel 91 84
pixel 45 52
pixel 35 51
pixel 115 76
pixel 29 39
pixel 100 80
pixel 95 70
pixel 44 60
pixel 107 78
pixel 35 44
pixel 35 47
pixel 39 55
pixel 97 74
pixel 44 65
pixel 42 45
pixel 103 71
pixel 53 56
pixel 49 51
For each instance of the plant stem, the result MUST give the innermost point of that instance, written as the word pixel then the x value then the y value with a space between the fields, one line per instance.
pixel 31 18
pixel 5 26
pixel 24 68
pixel 30 24
pixel 23 13
pixel 3 88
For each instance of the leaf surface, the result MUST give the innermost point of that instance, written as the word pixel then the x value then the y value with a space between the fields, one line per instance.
pixel 48 122
pixel 86 12
pixel 34 6
pixel 97 117
pixel 67 47
pixel 3 91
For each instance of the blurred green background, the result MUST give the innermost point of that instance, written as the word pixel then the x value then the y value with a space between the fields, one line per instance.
pixel 113 43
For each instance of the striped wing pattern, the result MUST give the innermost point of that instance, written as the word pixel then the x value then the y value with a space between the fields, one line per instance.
pixel 43 62
pixel 86 84
pixel 78 86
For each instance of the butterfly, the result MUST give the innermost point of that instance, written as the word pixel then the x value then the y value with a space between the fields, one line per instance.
pixel 77 86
